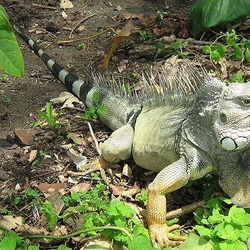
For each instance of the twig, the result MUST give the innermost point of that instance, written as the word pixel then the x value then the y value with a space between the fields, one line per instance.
pixel 94 138
pixel 86 38
pixel 44 6
pixel 185 210
pixel 83 20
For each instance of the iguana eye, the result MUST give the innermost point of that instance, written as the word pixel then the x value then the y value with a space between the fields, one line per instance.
pixel 246 101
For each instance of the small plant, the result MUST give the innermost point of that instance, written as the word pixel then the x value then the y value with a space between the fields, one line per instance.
pixel 7 100
pixel 96 109
pixel 49 115
pixel 142 196
pixel 81 46
pixel 237 77
pixel 144 36
pixel 236 48
pixel 50 214
pixel 179 47
pixel 4 77
pixel 160 46
pixel 223 228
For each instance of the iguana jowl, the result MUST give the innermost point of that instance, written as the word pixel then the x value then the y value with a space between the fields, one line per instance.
pixel 182 133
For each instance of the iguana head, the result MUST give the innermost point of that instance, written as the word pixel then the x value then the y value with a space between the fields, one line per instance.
pixel 232 129
pixel 232 121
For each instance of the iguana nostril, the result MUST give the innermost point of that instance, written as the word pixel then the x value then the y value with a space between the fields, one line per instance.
pixel 223 117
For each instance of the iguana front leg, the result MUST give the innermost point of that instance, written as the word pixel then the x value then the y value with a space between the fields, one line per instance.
pixel 169 179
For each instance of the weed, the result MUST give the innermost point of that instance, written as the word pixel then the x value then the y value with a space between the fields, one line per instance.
pixel 49 115
pixel 96 109
pixel 4 77
pixel 81 46
pixel 7 100
pixel 50 214
pixel 223 227
pixel 145 36
pixel 237 77
pixel 179 47
pixel 236 48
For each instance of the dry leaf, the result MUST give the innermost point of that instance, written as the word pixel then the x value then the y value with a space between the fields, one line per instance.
pixel 57 202
pixel 66 4
pixel 26 136
pixel 49 188
pixel 83 186
pixel 117 190
pixel 132 191
pixel 11 222
pixel 126 31
pixel 67 99
pixel 77 158
pixel 32 157
pixel 127 171
pixel 77 138
pixel 64 15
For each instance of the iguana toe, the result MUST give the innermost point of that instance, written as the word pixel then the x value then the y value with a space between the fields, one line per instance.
pixel 161 235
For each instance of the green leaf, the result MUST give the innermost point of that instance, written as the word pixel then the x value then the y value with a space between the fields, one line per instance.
pixel 96 97
pixel 194 242
pixel 10 53
pixel 95 247
pixel 215 55
pixel 10 241
pixel 237 245
pixel 62 247
pixel 210 13
pixel 238 53
pixel 33 247
pixel 247 55
pixel 140 242
pixel 203 231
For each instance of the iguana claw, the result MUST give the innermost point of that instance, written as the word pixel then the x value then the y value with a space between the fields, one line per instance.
pixel 160 234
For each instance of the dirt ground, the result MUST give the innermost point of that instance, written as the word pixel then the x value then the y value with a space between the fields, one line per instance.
pixel 21 97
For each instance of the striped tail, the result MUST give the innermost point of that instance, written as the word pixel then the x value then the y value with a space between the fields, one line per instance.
pixel 78 87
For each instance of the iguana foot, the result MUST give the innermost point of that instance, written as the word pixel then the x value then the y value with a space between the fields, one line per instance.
pixel 160 234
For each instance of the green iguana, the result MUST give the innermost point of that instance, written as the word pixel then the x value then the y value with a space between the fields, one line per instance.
pixel 197 124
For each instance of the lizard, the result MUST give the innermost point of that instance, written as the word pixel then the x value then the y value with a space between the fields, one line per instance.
pixel 195 124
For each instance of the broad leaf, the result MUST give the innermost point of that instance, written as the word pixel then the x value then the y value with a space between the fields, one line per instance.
pixel 11 60
pixel 210 13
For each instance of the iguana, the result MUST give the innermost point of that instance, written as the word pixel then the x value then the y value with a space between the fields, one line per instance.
pixel 187 128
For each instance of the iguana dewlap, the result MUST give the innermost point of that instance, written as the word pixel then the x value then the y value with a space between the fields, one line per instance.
pixel 195 125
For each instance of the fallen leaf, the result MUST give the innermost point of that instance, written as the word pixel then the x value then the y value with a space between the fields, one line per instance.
pixel 64 15
pixel 126 31
pixel 66 4
pixel 83 186
pixel 77 138
pixel 11 222
pixel 26 136
pixel 117 190
pixel 127 171
pixel 32 156
pixel 49 188
pixel 67 99
pixel 77 158
pixel 57 201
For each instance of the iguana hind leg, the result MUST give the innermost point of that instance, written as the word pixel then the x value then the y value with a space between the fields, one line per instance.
pixel 169 179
